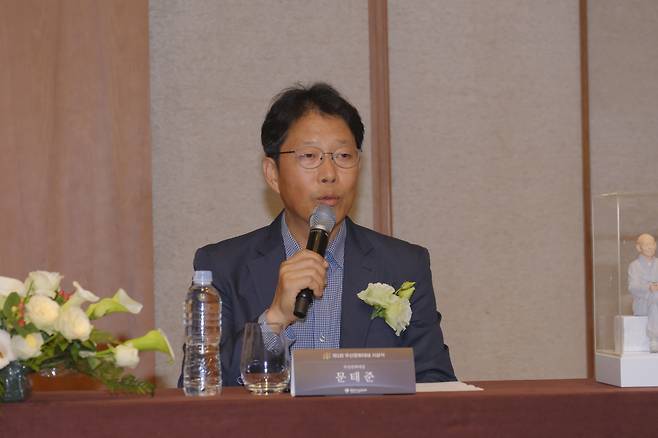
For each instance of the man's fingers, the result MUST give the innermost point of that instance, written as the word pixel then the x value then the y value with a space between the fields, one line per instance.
pixel 306 278
pixel 306 254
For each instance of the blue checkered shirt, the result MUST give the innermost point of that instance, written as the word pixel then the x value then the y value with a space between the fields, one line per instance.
pixel 321 327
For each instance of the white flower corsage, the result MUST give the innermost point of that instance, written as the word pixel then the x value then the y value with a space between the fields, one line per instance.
pixel 390 304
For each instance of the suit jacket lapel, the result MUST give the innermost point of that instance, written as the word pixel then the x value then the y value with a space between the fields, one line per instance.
pixel 359 271
pixel 264 269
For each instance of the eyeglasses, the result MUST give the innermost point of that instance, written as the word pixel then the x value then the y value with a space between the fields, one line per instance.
pixel 311 157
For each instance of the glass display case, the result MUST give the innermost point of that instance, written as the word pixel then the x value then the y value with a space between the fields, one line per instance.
pixel 622 356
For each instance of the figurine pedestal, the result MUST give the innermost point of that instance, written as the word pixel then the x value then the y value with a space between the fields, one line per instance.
pixel 627 370
pixel 631 334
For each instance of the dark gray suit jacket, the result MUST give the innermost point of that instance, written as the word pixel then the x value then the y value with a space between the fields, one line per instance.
pixel 245 271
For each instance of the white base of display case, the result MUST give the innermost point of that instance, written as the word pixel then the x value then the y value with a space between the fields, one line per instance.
pixel 628 369
pixel 631 334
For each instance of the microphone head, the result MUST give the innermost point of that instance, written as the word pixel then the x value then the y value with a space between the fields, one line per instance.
pixel 323 218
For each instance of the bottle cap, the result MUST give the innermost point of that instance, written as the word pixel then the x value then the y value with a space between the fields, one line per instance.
pixel 202 278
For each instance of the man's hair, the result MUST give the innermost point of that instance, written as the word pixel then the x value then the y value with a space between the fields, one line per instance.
pixel 295 102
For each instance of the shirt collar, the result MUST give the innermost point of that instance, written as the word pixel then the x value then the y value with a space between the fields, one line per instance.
pixel 645 262
pixel 335 251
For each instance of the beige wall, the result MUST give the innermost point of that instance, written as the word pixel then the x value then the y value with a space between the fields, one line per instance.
pixel 487 173
pixel 623 95
pixel 486 148
pixel 214 68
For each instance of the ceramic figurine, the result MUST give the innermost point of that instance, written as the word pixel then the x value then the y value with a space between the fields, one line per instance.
pixel 643 285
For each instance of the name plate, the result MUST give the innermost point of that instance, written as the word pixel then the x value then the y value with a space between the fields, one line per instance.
pixel 353 371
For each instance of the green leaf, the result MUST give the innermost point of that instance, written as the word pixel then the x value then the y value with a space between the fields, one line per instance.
pixel 89 345
pixel 102 337
pixel 93 362
pixel 75 351
pixel 59 299
pixel 61 342
pixel 132 384
pixel 406 290
pixel 13 299
pixel 26 330
pixel 378 311
pixel 30 364
pixel 112 376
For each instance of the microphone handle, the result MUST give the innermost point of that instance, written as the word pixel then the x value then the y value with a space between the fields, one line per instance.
pixel 303 302
pixel 317 242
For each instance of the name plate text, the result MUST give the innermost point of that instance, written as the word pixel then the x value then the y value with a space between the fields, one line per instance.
pixel 353 371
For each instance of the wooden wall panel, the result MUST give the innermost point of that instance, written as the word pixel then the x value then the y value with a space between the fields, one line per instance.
pixel 382 213
pixel 75 169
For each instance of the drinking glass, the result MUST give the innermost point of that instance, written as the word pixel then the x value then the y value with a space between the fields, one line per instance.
pixel 265 358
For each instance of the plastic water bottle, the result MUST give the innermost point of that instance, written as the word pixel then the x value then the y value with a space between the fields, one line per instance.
pixel 202 372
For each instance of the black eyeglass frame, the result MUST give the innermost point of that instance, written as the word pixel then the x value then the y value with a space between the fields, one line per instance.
pixel 322 154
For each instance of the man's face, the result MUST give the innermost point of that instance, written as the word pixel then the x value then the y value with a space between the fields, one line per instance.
pixel 646 245
pixel 301 189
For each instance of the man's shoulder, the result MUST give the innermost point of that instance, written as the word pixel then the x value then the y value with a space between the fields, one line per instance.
pixel 238 242
pixel 637 264
pixel 385 242
pixel 242 243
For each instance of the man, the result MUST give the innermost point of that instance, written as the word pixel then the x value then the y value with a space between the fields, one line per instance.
pixel 312 140
pixel 643 285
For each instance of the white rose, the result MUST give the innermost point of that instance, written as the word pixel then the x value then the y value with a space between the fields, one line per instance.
pixel 44 282
pixel 125 355
pixel 73 323
pixel 9 285
pixel 398 314
pixel 80 296
pixel 378 294
pixel 6 353
pixel 27 347
pixel 42 311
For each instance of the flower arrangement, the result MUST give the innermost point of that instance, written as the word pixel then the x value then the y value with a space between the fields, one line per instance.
pixel 43 327
pixel 390 304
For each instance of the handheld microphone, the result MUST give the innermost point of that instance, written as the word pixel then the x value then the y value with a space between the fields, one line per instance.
pixel 322 221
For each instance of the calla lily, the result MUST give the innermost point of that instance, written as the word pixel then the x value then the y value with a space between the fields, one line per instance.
pixel 120 302
pixel 9 285
pixel 79 297
pixel 155 340
pixel 131 305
